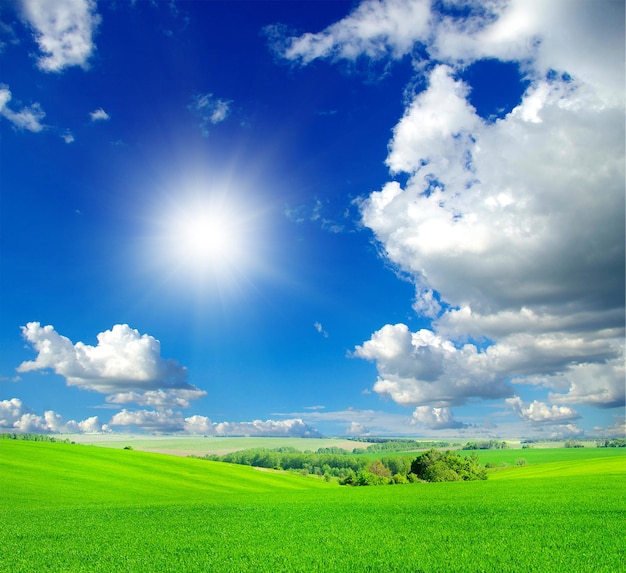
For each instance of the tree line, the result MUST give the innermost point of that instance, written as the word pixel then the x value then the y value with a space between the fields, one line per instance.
pixel 33 437
pixel 433 465
pixel 489 445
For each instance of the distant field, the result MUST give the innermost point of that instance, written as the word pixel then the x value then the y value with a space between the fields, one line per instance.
pixel 76 508
pixel 199 445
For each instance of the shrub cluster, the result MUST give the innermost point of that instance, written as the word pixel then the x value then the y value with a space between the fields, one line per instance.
pixel 435 465
pixel 387 445
pixel 615 443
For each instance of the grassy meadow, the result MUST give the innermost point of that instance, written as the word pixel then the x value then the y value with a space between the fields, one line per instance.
pixel 73 508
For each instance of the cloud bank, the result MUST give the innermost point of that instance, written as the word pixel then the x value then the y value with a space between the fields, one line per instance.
pixel 124 364
pixel 510 227
pixel 16 416
pixel 172 421
pixel 128 367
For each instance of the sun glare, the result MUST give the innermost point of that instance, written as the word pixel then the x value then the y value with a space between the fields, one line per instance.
pixel 209 238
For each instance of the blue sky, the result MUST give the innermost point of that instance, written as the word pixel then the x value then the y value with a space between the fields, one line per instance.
pixel 393 217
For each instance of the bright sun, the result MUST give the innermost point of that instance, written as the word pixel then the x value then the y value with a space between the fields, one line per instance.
pixel 209 238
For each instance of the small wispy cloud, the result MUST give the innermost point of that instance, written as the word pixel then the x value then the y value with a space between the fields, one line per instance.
pixel 99 115
pixel 29 117
pixel 211 110
pixel 318 326
pixel 68 137
pixel 315 214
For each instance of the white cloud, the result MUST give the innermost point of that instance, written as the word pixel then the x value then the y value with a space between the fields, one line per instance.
pixel 599 384
pixel 173 421
pixel 199 425
pixel 294 427
pixel 63 29
pixel 29 117
pixel 318 326
pixel 99 115
pixel 356 429
pixel 68 137
pixel 617 430
pixel 374 29
pixel 423 369
pixel 15 415
pixel 541 413
pixel 435 132
pixel 122 361
pixel 11 411
pixel 315 213
pixel 555 34
pixel 584 40
pixel 175 398
pixel 512 230
pixel 374 422
pixel 211 110
pixel 436 418
pixel 56 424
pixel 149 420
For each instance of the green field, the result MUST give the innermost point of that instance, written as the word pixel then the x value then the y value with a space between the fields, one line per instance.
pixel 200 446
pixel 79 508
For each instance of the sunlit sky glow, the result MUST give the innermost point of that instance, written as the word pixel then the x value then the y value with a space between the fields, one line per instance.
pixel 383 217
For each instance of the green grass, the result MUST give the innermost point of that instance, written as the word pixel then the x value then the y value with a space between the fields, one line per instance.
pixel 77 508
pixel 546 455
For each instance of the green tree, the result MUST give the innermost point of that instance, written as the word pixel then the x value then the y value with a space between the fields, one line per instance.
pixel 435 465
pixel 377 468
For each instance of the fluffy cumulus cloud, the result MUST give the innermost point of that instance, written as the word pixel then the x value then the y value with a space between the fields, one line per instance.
pixel 122 361
pixel 174 398
pixel 541 413
pixel 511 227
pixel 356 429
pixel 295 428
pixel 149 420
pixel 16 416
pixel 63 29
pixel 423 369
pixel 28 117
pixel 128 367
pixel 436 418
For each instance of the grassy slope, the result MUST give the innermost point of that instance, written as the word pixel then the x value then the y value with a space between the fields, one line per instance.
pixel 78 508
pixel 63 474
